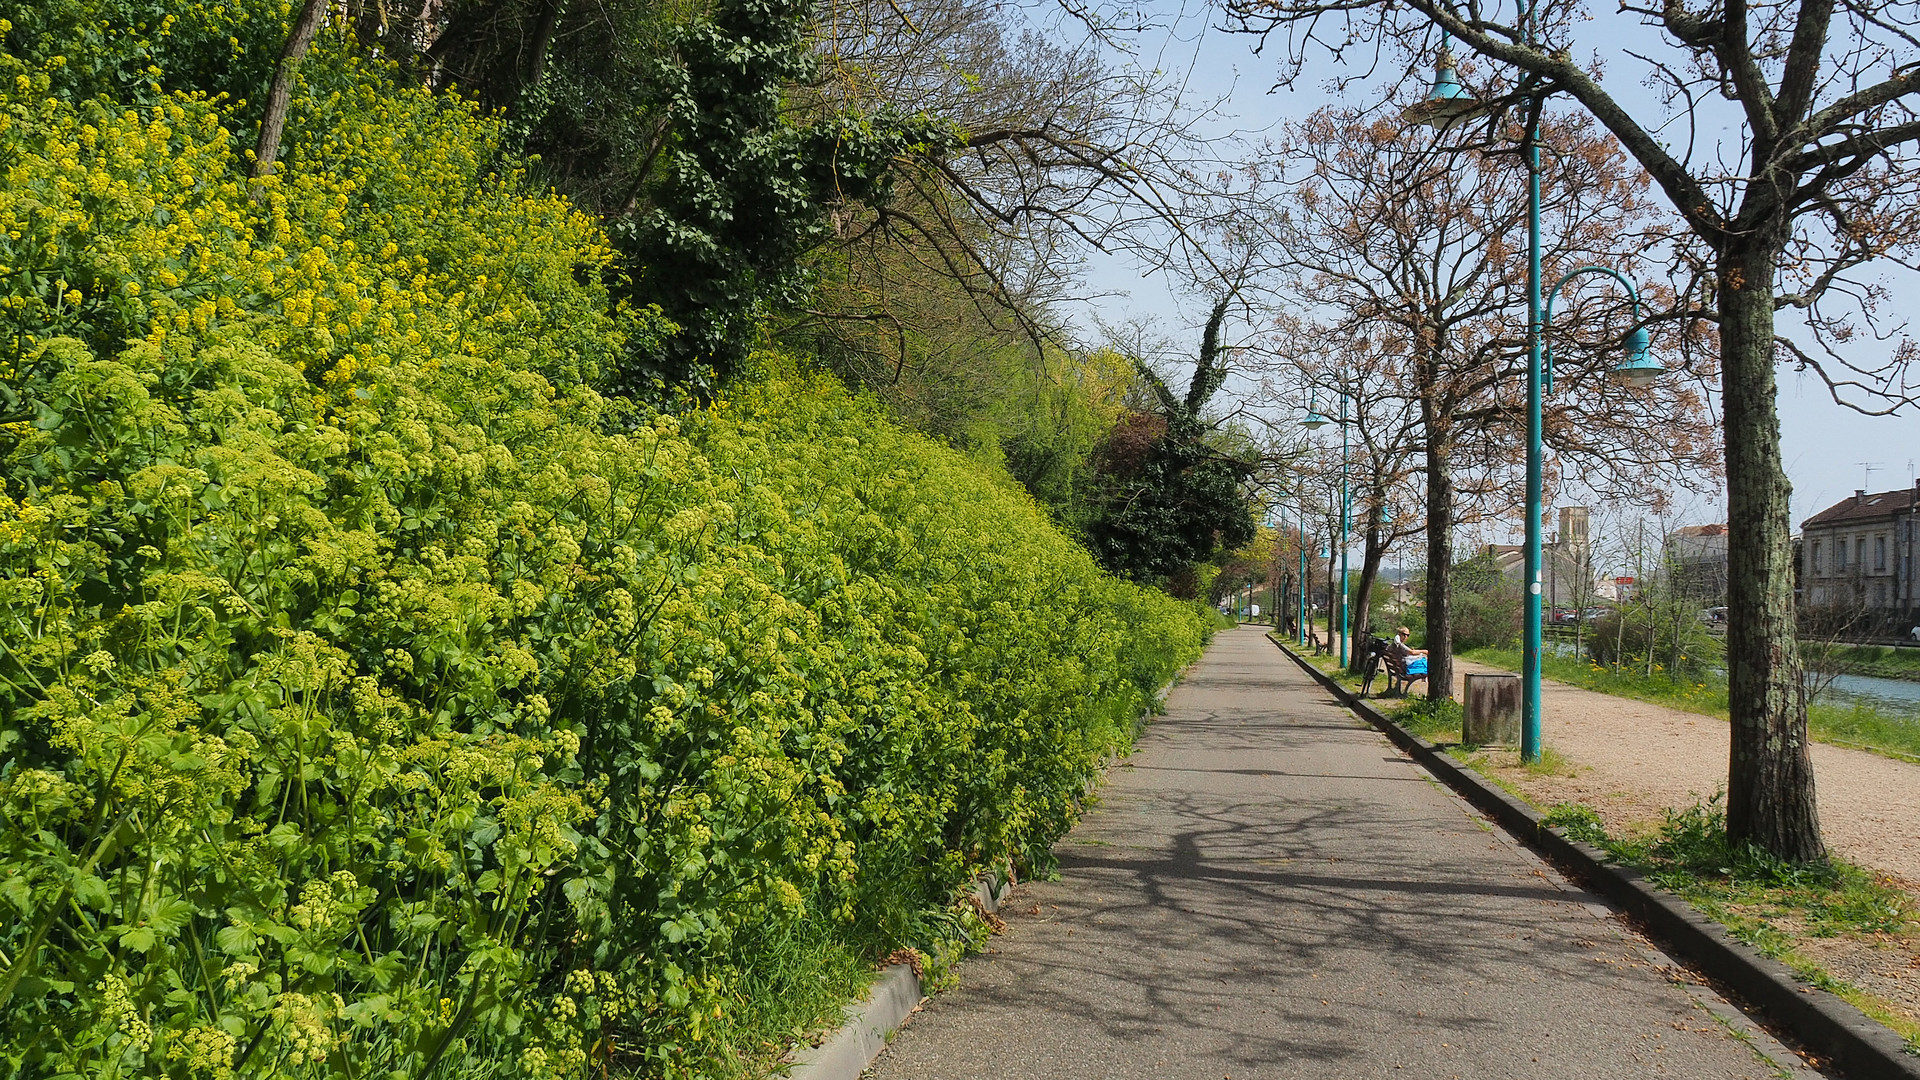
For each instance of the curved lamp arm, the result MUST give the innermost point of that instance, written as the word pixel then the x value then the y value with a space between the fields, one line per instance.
pixel 1634 344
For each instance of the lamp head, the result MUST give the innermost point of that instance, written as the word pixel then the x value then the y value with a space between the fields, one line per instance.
pixel 1314 420
pixel 1448 101
pixel 1639 369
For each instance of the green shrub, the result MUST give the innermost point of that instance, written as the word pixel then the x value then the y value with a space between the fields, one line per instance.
pixel 1682 649
pixel 1430 717
pixel 366 708
pixel 1485 607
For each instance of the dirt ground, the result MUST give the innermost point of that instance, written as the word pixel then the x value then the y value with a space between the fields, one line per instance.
pixel 1633 760
pixel 1629 761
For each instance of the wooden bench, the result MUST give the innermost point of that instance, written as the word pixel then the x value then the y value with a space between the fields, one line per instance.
pixel 1381 655
pixel 1397 673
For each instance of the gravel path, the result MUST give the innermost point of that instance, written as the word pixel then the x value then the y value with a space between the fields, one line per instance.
pixel 1632 760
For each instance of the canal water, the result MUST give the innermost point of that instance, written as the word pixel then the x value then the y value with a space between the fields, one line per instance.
pixel 1895 696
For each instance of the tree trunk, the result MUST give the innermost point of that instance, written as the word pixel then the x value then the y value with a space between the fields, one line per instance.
pixel 1582 597
pixel 1439 565
pixel 1333 595
pixel 550 16
pixel 1770 794
pixel 280 94
pixel 1363 606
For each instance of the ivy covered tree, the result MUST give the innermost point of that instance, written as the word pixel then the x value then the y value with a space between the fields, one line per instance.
pixel 742 193
pixel 1171 498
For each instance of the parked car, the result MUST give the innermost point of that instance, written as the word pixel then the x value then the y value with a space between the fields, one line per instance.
pixel 1714 616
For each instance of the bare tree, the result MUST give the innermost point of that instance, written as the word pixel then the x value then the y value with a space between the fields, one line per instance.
pixel 1382 459
pixel 1814 179
pixel 1401 259
pixel 1387 467
pixel 1060 153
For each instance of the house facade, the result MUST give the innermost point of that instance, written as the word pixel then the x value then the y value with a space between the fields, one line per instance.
pixel 1566 563
pixel 1696 563
pixel 1857 556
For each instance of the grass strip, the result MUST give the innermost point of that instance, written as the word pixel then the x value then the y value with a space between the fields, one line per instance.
pixel 1878 661
pixel 1763 901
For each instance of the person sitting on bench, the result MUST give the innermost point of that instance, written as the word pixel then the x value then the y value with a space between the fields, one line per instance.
pixel 1405 664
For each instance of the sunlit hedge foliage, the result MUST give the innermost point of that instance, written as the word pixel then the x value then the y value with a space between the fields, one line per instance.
pixel 366 709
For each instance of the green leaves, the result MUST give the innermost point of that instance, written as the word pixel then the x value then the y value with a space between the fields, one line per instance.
pixel 742 192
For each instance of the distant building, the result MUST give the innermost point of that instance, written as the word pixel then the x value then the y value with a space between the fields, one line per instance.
pixel 1619 589
pixel 1566 562
pixel 1406 591
pixel 1696 563
pixel 1858 555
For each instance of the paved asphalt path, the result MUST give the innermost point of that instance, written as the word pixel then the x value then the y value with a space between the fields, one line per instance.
pixel 1269 889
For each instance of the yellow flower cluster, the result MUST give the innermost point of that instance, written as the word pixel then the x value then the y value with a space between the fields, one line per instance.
pixel 383 238
pixel 206 1051
pixel 121 1014
pixel 307 1024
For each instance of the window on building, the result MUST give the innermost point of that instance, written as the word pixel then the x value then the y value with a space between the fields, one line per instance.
pixel 1859 552
pixel 1879 553
pixel 1814 562
pixel 1839 555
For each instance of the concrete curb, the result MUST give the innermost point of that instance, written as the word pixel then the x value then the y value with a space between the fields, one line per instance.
pixel 846 1053
pixel 844 1056
pixel 1862 1048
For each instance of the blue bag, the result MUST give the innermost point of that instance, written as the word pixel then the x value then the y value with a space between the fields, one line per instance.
pixel 1416 665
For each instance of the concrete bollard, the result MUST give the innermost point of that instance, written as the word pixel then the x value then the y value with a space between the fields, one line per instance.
pixel 1493 711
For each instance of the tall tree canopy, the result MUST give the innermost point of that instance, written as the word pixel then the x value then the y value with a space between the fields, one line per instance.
pixel 1402 261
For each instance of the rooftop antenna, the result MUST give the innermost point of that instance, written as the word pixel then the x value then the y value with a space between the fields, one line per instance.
pixel 1866 477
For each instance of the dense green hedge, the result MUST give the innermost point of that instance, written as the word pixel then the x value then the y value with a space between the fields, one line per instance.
pixel 367 709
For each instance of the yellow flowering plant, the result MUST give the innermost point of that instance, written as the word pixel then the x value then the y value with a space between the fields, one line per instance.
pixel 376 698
pixel 136 51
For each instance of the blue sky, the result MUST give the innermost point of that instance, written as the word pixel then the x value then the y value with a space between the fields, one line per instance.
pixel 1826 446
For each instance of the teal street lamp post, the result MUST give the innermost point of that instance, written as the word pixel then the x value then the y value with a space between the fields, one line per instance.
pixel 1300 624
pixel 1314 421
pixel 1272 525
pixel 1447 103
pixel 1346 533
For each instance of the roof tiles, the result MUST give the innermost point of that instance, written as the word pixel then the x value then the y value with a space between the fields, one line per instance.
pixel 1862 506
